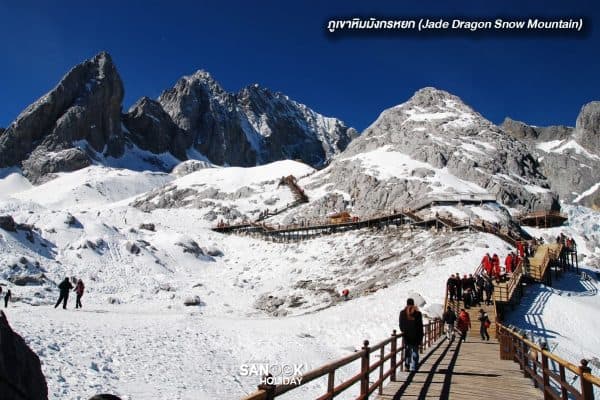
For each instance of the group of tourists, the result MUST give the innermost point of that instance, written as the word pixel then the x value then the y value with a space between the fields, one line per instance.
pixel 462 324
pixel 65 287
pixel 470 289
pixel 493 269
pixel 411 325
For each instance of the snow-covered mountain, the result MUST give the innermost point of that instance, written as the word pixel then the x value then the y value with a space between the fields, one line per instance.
pixel 431 146
pixel 79 123
pixel 569 157
pixel 167 298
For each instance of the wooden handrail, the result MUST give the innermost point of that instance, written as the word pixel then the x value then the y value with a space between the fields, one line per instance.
pixel 527 353
pixel 432 332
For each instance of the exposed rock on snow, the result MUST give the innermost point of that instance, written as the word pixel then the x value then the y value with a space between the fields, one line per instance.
pixel 8 223
pixel 20 366
pixel 189 166
pixel 148 226
pixel 193 301
pixel 190 246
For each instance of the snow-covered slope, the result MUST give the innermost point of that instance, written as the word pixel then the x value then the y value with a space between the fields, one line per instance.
pixel 268 301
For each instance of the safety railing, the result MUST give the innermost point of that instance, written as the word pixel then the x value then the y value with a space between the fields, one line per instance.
pixel 535 362
pixel 389 351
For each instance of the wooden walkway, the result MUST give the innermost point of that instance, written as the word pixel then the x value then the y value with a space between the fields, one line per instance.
pixel 463 371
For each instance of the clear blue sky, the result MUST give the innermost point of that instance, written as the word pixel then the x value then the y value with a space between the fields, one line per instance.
pixel 284 46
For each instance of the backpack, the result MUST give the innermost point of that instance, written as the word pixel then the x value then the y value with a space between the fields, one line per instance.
pixel 487 322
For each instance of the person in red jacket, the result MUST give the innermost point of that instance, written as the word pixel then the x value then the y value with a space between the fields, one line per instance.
pixel 521 249
pixel 487 263
pixel 463 324
pixel 508 263
pixel 496 266
pixel 79 287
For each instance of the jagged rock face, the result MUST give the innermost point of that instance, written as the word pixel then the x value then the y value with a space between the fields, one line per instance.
pixel 524 132
pixel 85 105
pixel 569 158
pixel 428 142
pixel 20 367
pixel 254 126
pixel 152 129
pixel 587 129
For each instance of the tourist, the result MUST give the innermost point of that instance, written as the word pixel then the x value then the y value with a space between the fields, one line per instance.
pixel 459 287
pixel 7 297
pixel 411 325
pixel 65 286
pixel 463 324
pixel 488 288
pixel 449 319
pixel 451 287
pixel 485 324
pixel 79 287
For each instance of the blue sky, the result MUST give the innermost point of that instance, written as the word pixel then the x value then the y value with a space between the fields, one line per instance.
pixel 540 79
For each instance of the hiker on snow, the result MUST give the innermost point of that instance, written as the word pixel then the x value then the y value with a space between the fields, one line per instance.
pixel 64 287
pixel 7 297
pixel 485 324
pixel 464 324
pixel 449 319
pixel 79 287
pixel 411 325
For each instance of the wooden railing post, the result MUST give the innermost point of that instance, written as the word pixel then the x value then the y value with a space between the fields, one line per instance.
pixel 587 389
pixel 330 384
pixel 393 359
pixel 364 370
pixel 563 378
pixel 545 377
pixel 524 358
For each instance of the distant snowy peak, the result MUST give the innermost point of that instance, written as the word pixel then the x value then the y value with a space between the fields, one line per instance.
pixel 253 126
pixel 439 140
pixel 569 157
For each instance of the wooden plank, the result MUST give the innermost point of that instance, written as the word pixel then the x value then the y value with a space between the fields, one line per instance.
pixel 461 371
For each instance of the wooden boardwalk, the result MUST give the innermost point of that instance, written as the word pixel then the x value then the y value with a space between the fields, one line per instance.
pixel 463 371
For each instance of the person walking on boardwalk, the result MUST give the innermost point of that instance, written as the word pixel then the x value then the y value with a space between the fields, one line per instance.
pixel 488 287
pixel 79 287
pixel 496 266
pixel 7 297
pixel 485 324
pixel 463 324
pixel 449 319
pixel 411 325
pixel 459 287
pixel 65 286
pixel 451 286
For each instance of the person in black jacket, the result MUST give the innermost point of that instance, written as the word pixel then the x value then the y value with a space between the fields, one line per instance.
pixel 7 297
pixel 65 286
pixel 449 319
pixel 411 325
pixel 485 323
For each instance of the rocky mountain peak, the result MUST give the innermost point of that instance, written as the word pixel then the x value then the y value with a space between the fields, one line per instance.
pixel 439 132
pixel 84 106
pixel 587 128
pixel 431 97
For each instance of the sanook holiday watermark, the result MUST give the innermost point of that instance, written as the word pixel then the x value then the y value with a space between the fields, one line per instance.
pixel 274 374
pixel 358 24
